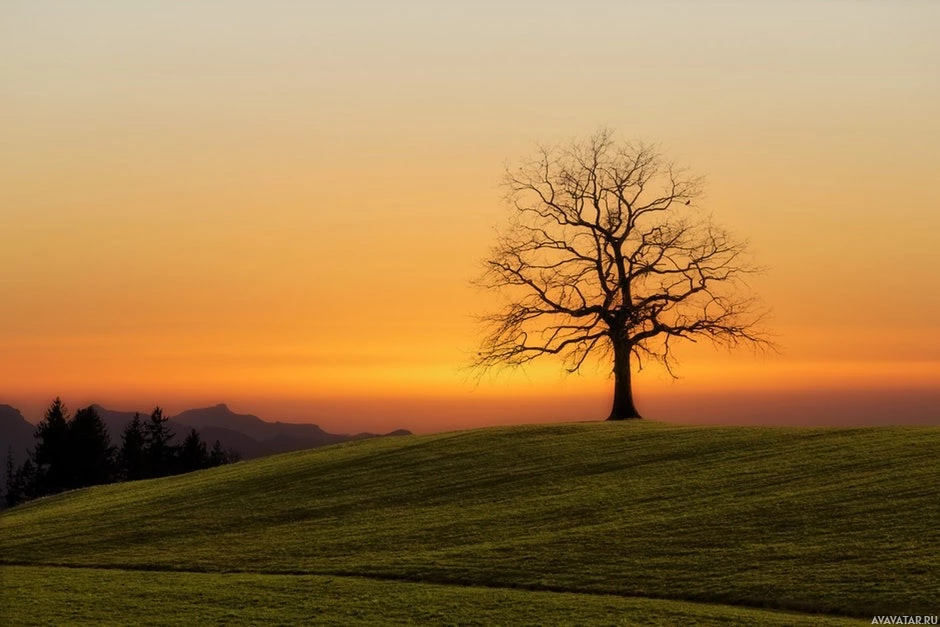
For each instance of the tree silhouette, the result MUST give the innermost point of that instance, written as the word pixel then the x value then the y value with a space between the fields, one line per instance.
pixel 78 453
pixel 51 451
pixel 22 484
pixel 193 455
pixel 132 458
pixel 11 493
pixel 161 454
pixel 218 455
pixel 606 255
pixel 90 454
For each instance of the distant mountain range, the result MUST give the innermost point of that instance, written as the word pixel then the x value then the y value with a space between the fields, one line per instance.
pixel 249 435
pixel 16 438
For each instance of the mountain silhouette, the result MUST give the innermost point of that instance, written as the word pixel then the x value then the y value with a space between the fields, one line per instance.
pixel 116 421
pixel 16 438
pixel 246 434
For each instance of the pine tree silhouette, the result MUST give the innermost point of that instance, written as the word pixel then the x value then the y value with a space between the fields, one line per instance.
pixel 90 454
pixel 161 454
pixel 193 455
pixel 11 494
pixel 51 452
pixel 132 458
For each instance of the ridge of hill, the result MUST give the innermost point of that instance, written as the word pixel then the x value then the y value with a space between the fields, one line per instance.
pixel 247 434
pixel 254 427
pixel 837 521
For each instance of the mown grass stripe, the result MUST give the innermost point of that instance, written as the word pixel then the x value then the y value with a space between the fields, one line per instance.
pixel 78 596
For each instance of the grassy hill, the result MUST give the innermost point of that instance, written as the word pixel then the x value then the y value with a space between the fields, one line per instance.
pixel 830 521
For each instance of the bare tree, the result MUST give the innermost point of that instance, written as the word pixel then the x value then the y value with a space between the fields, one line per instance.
pixel 607 256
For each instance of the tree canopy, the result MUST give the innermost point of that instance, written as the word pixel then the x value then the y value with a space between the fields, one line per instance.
pixel 607 255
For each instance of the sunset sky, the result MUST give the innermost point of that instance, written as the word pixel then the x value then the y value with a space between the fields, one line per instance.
pixel 280 205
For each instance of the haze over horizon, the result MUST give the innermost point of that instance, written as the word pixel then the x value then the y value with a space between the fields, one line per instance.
pixel 280 206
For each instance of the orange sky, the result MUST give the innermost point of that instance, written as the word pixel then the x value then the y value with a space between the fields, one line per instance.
pixel 279 205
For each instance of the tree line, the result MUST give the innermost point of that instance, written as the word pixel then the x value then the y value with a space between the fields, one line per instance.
pixel 75 451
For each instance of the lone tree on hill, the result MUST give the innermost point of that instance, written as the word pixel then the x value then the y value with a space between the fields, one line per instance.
pixel 606 255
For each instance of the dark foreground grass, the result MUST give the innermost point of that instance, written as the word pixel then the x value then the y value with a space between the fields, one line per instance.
pixel 68 596
pixel 815 520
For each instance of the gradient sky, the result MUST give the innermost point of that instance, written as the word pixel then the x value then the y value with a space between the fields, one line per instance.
pixel 279 205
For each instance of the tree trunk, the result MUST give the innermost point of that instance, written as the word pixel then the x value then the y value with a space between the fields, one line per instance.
pixel 623 408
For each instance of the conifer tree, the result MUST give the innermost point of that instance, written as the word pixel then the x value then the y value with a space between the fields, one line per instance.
pixel 51 452
pixel 26 484
pixel 90 454
pixel 10 494
pixel 132 458
pixel 217 455
pixel 161 454
pixel 193 455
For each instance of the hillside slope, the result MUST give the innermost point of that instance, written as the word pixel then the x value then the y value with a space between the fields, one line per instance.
pixel 836 521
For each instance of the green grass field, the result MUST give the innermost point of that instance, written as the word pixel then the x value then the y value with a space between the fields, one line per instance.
pixel 123 597
pixel 574 523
